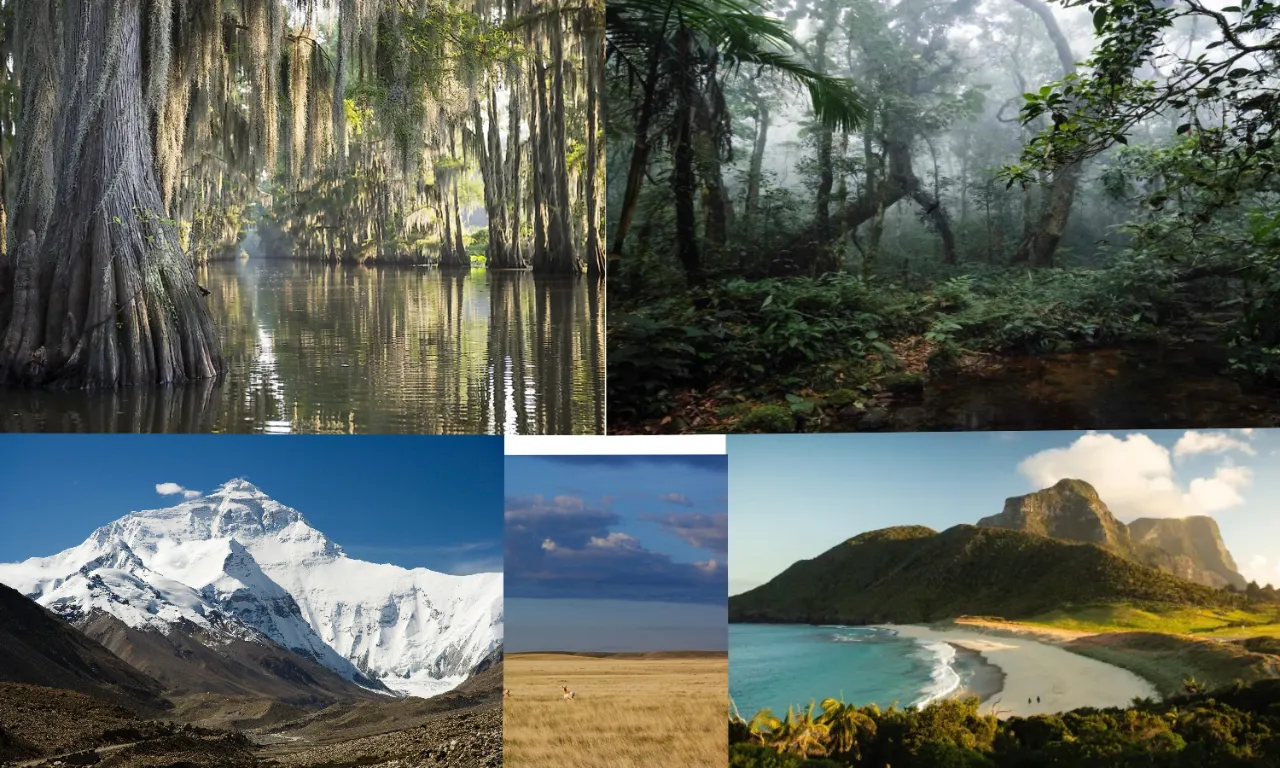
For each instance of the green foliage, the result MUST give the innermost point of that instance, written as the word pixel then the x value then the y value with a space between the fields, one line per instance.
pixel 962 571
pixel 757 756
pixel 1232 727
pixel 736 32
pixel 768 419
pixel 772 337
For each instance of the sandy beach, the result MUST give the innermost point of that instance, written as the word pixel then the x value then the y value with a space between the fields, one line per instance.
pixel 1061 679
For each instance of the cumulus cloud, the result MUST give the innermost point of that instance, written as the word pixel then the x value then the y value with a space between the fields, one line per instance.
pixel 678 499
pixel 172 489
pixel 565 547
pixel 702 531
pixel 1135 475
pixel 1193 443
pixel 1262 570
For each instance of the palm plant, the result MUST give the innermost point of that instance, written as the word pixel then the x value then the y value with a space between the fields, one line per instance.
pixel 672 55
pixel 801 733
pixel 848 728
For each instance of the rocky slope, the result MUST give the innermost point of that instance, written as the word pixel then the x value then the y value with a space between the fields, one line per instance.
pixel 39 648
pixel 1190 548
pixel 1193 547
pixel 1070 510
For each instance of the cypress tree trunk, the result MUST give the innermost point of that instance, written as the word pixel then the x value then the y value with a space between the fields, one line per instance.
pixel 513 152
pixel 106 298
pixel 537 171
pixel 562 257
pixel 492 173
pixel 593 60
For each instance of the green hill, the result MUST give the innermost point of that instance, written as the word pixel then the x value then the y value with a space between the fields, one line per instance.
pixel 912 574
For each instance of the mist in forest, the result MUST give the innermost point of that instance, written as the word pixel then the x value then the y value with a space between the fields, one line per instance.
pixel 823 210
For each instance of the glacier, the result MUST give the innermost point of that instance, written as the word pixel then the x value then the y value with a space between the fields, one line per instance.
pixel 238 564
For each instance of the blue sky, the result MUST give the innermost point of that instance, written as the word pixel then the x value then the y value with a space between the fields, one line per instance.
pixel 615 553
pixel 794 497
pixel 434 502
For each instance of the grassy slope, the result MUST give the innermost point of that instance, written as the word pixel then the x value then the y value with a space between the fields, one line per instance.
pixel 912 575
pixel 1199 621
pixel 1168 660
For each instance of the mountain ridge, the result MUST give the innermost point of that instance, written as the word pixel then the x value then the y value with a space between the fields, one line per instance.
pixel 1190 548
pixel 963 570
pixel 235 566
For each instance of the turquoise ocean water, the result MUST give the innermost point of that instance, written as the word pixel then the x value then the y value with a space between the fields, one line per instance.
pixel 773 665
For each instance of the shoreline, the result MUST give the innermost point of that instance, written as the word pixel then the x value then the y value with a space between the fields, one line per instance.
pixel 982 678
pixel 1023 677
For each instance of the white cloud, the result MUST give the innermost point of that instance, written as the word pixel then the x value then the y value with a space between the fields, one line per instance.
pixel 171 489
pixel 1261 570
pixel 1192 443
pixel 1135 476
pixel 614 540
pixel 548 545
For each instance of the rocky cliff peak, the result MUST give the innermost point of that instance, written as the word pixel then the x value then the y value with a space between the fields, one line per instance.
pixel 1070 510
pixel 1194 548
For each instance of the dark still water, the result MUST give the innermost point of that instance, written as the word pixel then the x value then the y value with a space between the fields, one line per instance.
pixel 1153 387
pixel 352 349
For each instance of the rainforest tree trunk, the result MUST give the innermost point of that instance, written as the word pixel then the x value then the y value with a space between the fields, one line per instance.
pixel 822 214
pixel 1039 243
pixel 683 178
pixel 640 150
pixel 106 298
pixel 757 160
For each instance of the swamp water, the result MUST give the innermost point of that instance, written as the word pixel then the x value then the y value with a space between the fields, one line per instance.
pixel 322 348
pixel 1182 386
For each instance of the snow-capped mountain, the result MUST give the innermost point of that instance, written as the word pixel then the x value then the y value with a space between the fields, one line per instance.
pixel 237 564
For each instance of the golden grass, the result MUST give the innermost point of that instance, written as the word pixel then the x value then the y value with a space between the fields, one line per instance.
pixel 629 713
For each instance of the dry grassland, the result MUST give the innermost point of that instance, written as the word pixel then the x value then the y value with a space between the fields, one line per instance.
pixel 629 712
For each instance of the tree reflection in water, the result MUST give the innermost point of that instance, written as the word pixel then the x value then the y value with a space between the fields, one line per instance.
pixel 342 349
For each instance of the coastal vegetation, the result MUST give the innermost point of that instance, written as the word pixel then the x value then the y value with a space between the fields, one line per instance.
pixel 1079 180
pixel 1232 727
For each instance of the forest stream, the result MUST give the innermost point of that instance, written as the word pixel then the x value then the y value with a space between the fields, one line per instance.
pixel 1149 387
pixel 319 348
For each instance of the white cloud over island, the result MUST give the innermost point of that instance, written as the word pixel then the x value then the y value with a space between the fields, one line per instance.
pixel 1136 475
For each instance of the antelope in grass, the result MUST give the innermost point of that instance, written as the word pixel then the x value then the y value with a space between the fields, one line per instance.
pixel 506 693
pixel 568 694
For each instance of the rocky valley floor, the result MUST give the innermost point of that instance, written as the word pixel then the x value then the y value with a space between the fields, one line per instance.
pixel 50 728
